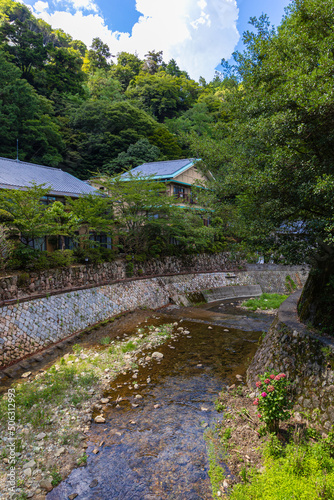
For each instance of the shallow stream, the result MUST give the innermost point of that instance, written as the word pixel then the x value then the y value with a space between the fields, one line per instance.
pixel 152 445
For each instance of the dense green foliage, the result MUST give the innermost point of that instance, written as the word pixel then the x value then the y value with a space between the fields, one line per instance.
pixel 75 107
pixel 273 155
pixel 137 219
pixel 304 471
pixel 264 128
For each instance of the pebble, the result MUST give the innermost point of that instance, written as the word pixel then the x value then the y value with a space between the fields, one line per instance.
pixel 99 419
pixel 72 496
pixel 40 436
pixel 27 472
pixel 59 452
pixel 96 451
pixel 94 483
pixel 46 485
pixel 209 327
pixel 104 401
pixel 157 355
pixel 30 465
pixel 138 396
pixel 26 375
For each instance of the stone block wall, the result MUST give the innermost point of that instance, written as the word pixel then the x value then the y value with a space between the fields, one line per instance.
pixel 18 286
pixel 307 359
pixel 29 326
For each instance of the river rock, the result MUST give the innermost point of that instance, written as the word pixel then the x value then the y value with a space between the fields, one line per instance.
pixel 27 472
pixel 46 485
pixel 99 419
pixel 94 483
pixel 104 401
pixel 26 375
pixel 72 496
pixel 96 451
pixel 157 355
pixel 60 451
pixel 31 464
pixel 40 436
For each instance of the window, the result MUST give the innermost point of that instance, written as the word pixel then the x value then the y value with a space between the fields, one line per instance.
pixel 179 191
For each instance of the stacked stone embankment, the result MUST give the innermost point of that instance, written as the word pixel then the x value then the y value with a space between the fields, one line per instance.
pixel 307 360
pixel 30 284
pixel 34 324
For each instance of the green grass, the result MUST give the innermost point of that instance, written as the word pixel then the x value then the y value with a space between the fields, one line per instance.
pixel 105 340
pixel 265 301
pixel 31 397
pixel 304 472
pixel 216 471
pixel 128 347
pixel 71 378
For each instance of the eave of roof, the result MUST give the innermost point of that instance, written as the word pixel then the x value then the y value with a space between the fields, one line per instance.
pixel 22 175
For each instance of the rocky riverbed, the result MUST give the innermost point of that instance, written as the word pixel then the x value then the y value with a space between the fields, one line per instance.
pixel 103 392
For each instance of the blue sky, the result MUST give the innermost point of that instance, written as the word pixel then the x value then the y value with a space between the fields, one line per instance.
pixel 197 33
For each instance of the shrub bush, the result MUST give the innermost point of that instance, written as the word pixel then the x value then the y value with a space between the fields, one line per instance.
pixel 273 402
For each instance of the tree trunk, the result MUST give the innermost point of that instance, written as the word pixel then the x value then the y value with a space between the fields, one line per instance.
pixel 316 304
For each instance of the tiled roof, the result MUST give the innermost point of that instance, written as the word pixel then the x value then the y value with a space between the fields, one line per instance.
pixel 162 169
pixel 19 174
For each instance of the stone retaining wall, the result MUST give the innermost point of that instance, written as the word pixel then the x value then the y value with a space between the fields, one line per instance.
pixel 28 284
pixel 307 359
pixel 30 326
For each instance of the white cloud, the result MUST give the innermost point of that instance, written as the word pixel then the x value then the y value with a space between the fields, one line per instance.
pixel 84 5
pixel 197 34
pixel 40 6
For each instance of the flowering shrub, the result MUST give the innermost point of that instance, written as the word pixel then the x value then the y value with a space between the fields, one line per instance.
pixel 273 403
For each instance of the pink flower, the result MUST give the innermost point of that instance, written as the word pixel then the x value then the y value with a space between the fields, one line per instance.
pixel 258 384
pixel 264 394
pixel 278 377
pixel 282 375
pixel 259 415
pixel 267 381
pixel 256 401
pixel 272 376
pixel 271 388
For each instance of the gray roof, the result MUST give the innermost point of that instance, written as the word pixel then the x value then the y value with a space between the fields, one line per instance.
pixel 19 174
pixel 162 169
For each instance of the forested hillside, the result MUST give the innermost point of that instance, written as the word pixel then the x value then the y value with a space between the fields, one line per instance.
pixel 80 109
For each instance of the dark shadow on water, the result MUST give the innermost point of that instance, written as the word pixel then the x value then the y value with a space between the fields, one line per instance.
pixel 156 450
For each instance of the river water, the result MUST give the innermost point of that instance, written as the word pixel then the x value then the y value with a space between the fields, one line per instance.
pixel 152 447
